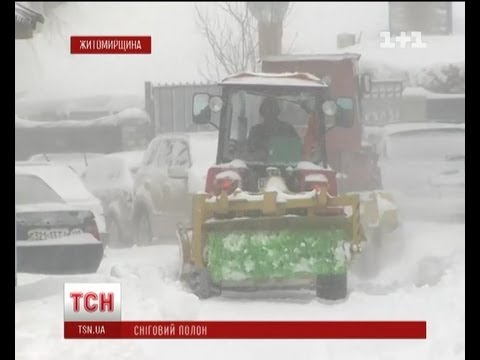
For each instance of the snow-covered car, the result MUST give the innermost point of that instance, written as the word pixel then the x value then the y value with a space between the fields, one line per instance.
pixel 111 178
pixel 78 162
pixel 425 165
pixel 175 166
pixel 54 237
pixel 68 185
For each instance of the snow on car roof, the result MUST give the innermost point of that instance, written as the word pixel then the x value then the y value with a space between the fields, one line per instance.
pixel 60 178
pixel 127 116
pixel 132 158
pixel 271 79
pixel 31 163
pixel 203 144
pixel 308 57
pixel 63 156
pixel 410 127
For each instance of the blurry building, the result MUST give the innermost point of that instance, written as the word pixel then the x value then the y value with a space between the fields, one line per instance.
pixel 27 16
pixel 430 18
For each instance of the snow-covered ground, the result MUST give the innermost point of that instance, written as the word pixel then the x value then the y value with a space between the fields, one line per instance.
pixel 425 280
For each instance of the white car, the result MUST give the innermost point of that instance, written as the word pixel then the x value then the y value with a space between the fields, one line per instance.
pixel 175 166
pixel 52 236
pixel 67 184
pixel 111 178
pixel 78 162
pixel 424 164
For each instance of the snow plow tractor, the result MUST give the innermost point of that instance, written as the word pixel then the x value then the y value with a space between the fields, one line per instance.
pixel 271 215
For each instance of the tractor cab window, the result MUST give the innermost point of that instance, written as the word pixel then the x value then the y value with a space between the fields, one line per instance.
pixel 267 127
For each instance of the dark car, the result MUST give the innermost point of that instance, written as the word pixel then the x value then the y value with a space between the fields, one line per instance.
pixel 52 236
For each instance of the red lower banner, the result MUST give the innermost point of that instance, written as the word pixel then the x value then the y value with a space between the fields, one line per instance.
pixel 246 330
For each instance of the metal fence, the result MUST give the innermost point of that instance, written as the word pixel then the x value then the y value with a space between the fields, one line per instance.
pixel 170 106
pixel 383 104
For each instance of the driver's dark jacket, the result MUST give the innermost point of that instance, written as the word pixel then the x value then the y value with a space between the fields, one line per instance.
pixel 259 136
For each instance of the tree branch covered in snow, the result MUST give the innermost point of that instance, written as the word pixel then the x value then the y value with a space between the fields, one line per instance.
pixel 231 33
pixel 442 78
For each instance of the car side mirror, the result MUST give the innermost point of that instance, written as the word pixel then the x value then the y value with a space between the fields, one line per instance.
pixel 366 83
pixel 178 172
pixel 201 111
pixel 203 106
pixel 345 115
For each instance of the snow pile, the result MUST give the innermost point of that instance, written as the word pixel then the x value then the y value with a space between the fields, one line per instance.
pixel 401 292
pixel 307 165
pixel 281 79
pixel 228 174
pixel 64 104
pixel 276 184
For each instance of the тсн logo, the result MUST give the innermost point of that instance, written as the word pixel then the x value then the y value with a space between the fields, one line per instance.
pixel 92 302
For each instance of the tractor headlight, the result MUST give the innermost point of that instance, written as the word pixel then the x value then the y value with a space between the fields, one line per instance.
pixel 215 104
pixel 329 108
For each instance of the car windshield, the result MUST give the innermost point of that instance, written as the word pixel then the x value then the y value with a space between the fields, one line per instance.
pixel 427 145
pixel 267 127
pixel 31 189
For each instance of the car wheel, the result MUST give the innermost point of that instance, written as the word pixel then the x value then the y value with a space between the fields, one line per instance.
pixel 144 230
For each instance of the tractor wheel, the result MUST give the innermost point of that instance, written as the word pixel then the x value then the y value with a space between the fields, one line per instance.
pixel 332 286
pixel 202 285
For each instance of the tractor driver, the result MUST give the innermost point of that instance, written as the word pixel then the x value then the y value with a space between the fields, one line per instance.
pixel 260 135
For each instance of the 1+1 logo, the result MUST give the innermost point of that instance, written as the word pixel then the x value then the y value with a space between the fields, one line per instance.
pixel 402 41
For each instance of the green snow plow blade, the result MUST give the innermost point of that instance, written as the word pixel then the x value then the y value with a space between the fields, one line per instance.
pixel 276 247
pixel 306 240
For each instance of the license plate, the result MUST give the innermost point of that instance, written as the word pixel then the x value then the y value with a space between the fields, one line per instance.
pixel 47 234
pixel 261 182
